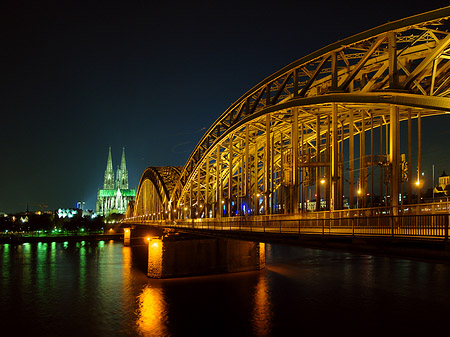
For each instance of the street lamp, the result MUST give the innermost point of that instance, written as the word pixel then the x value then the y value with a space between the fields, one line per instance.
pixel 419 184
pixel 359 193
pixel 323 182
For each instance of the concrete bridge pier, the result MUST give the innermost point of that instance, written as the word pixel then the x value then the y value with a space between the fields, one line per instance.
pixel 181 256
pixel 138 235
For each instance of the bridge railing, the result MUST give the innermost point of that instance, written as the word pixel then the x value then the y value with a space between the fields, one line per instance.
pixel 425 226
pixel 424 208
pixel 428 221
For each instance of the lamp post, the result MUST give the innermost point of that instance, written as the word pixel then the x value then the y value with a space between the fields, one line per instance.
pixel 433 183
pixel 323 183
pixel 419 184
pixel 359 193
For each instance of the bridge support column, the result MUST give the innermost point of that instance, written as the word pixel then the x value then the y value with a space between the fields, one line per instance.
pixel 334 159
pixel 267 168
pixel 351 175
pixel 410 160
pixel 137 235
pixel 318 170
pixel 419 158
pixel 207 207
pixel 219 208
pixel 168 258
pixel 302 169
pixel 230 176
pixel 371 160
pixel 127 236
pixel 362 166
pixel 245 197
pixel 394 156
pixel 295 179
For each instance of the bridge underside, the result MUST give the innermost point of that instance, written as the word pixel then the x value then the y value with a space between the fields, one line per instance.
pixel 322 134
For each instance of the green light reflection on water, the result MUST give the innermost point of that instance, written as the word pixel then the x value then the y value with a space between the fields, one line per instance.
pixel 82 267
pixel 43 268
pixel 5 252
pixel 51 259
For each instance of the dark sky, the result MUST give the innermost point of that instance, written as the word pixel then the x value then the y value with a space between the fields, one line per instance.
pixel 78 77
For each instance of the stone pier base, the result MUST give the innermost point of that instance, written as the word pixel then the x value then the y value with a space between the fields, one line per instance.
pixel 139 235
pixel 186 256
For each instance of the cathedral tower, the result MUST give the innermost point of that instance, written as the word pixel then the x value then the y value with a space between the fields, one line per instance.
pixel 108 182
pixel 115 194
pixel 122 173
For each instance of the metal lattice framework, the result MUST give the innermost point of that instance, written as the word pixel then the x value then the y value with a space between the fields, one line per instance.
pixel 154 191
pixel 296 131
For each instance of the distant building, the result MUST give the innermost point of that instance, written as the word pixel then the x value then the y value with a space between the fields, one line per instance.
pixel 115 194
pixel 443 189
pixel 80 205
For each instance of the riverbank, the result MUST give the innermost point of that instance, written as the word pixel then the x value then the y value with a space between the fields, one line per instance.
pixel 18 239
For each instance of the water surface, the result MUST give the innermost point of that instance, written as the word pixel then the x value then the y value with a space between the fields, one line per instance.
pixel 101 289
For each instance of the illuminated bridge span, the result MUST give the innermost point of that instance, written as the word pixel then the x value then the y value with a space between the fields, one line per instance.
pixel 318 143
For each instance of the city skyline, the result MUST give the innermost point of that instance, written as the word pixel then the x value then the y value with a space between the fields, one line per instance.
pixel 79 80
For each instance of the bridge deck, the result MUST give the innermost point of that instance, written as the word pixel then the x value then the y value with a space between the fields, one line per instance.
pixel 414 236
pixel 431 223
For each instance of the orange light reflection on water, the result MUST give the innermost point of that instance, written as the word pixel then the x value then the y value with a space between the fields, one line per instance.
pixel 262 311
pixel 152 312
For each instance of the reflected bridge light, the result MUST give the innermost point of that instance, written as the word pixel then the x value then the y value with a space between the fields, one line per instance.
pixel 323 181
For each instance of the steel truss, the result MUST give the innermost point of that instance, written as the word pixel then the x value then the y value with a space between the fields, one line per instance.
pixel 153 195
pixel 293 137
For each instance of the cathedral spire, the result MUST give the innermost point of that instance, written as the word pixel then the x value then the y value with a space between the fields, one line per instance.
pixel 123 165
pixel 108 182
pixel 109 166
pixel 122 173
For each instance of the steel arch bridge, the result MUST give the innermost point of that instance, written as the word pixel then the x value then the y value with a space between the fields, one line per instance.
pixel 153 195
pixel 325 127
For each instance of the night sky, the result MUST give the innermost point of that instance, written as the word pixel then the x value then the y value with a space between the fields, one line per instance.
pixel 78 77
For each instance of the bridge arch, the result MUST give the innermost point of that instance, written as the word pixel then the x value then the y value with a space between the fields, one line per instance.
pixel 320 128
pixel 294 128
pixel 153 194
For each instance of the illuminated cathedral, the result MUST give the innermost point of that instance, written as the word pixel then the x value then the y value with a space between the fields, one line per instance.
pixel 115 194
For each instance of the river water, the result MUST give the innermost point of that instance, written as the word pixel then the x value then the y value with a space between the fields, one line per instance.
pixel 101 289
